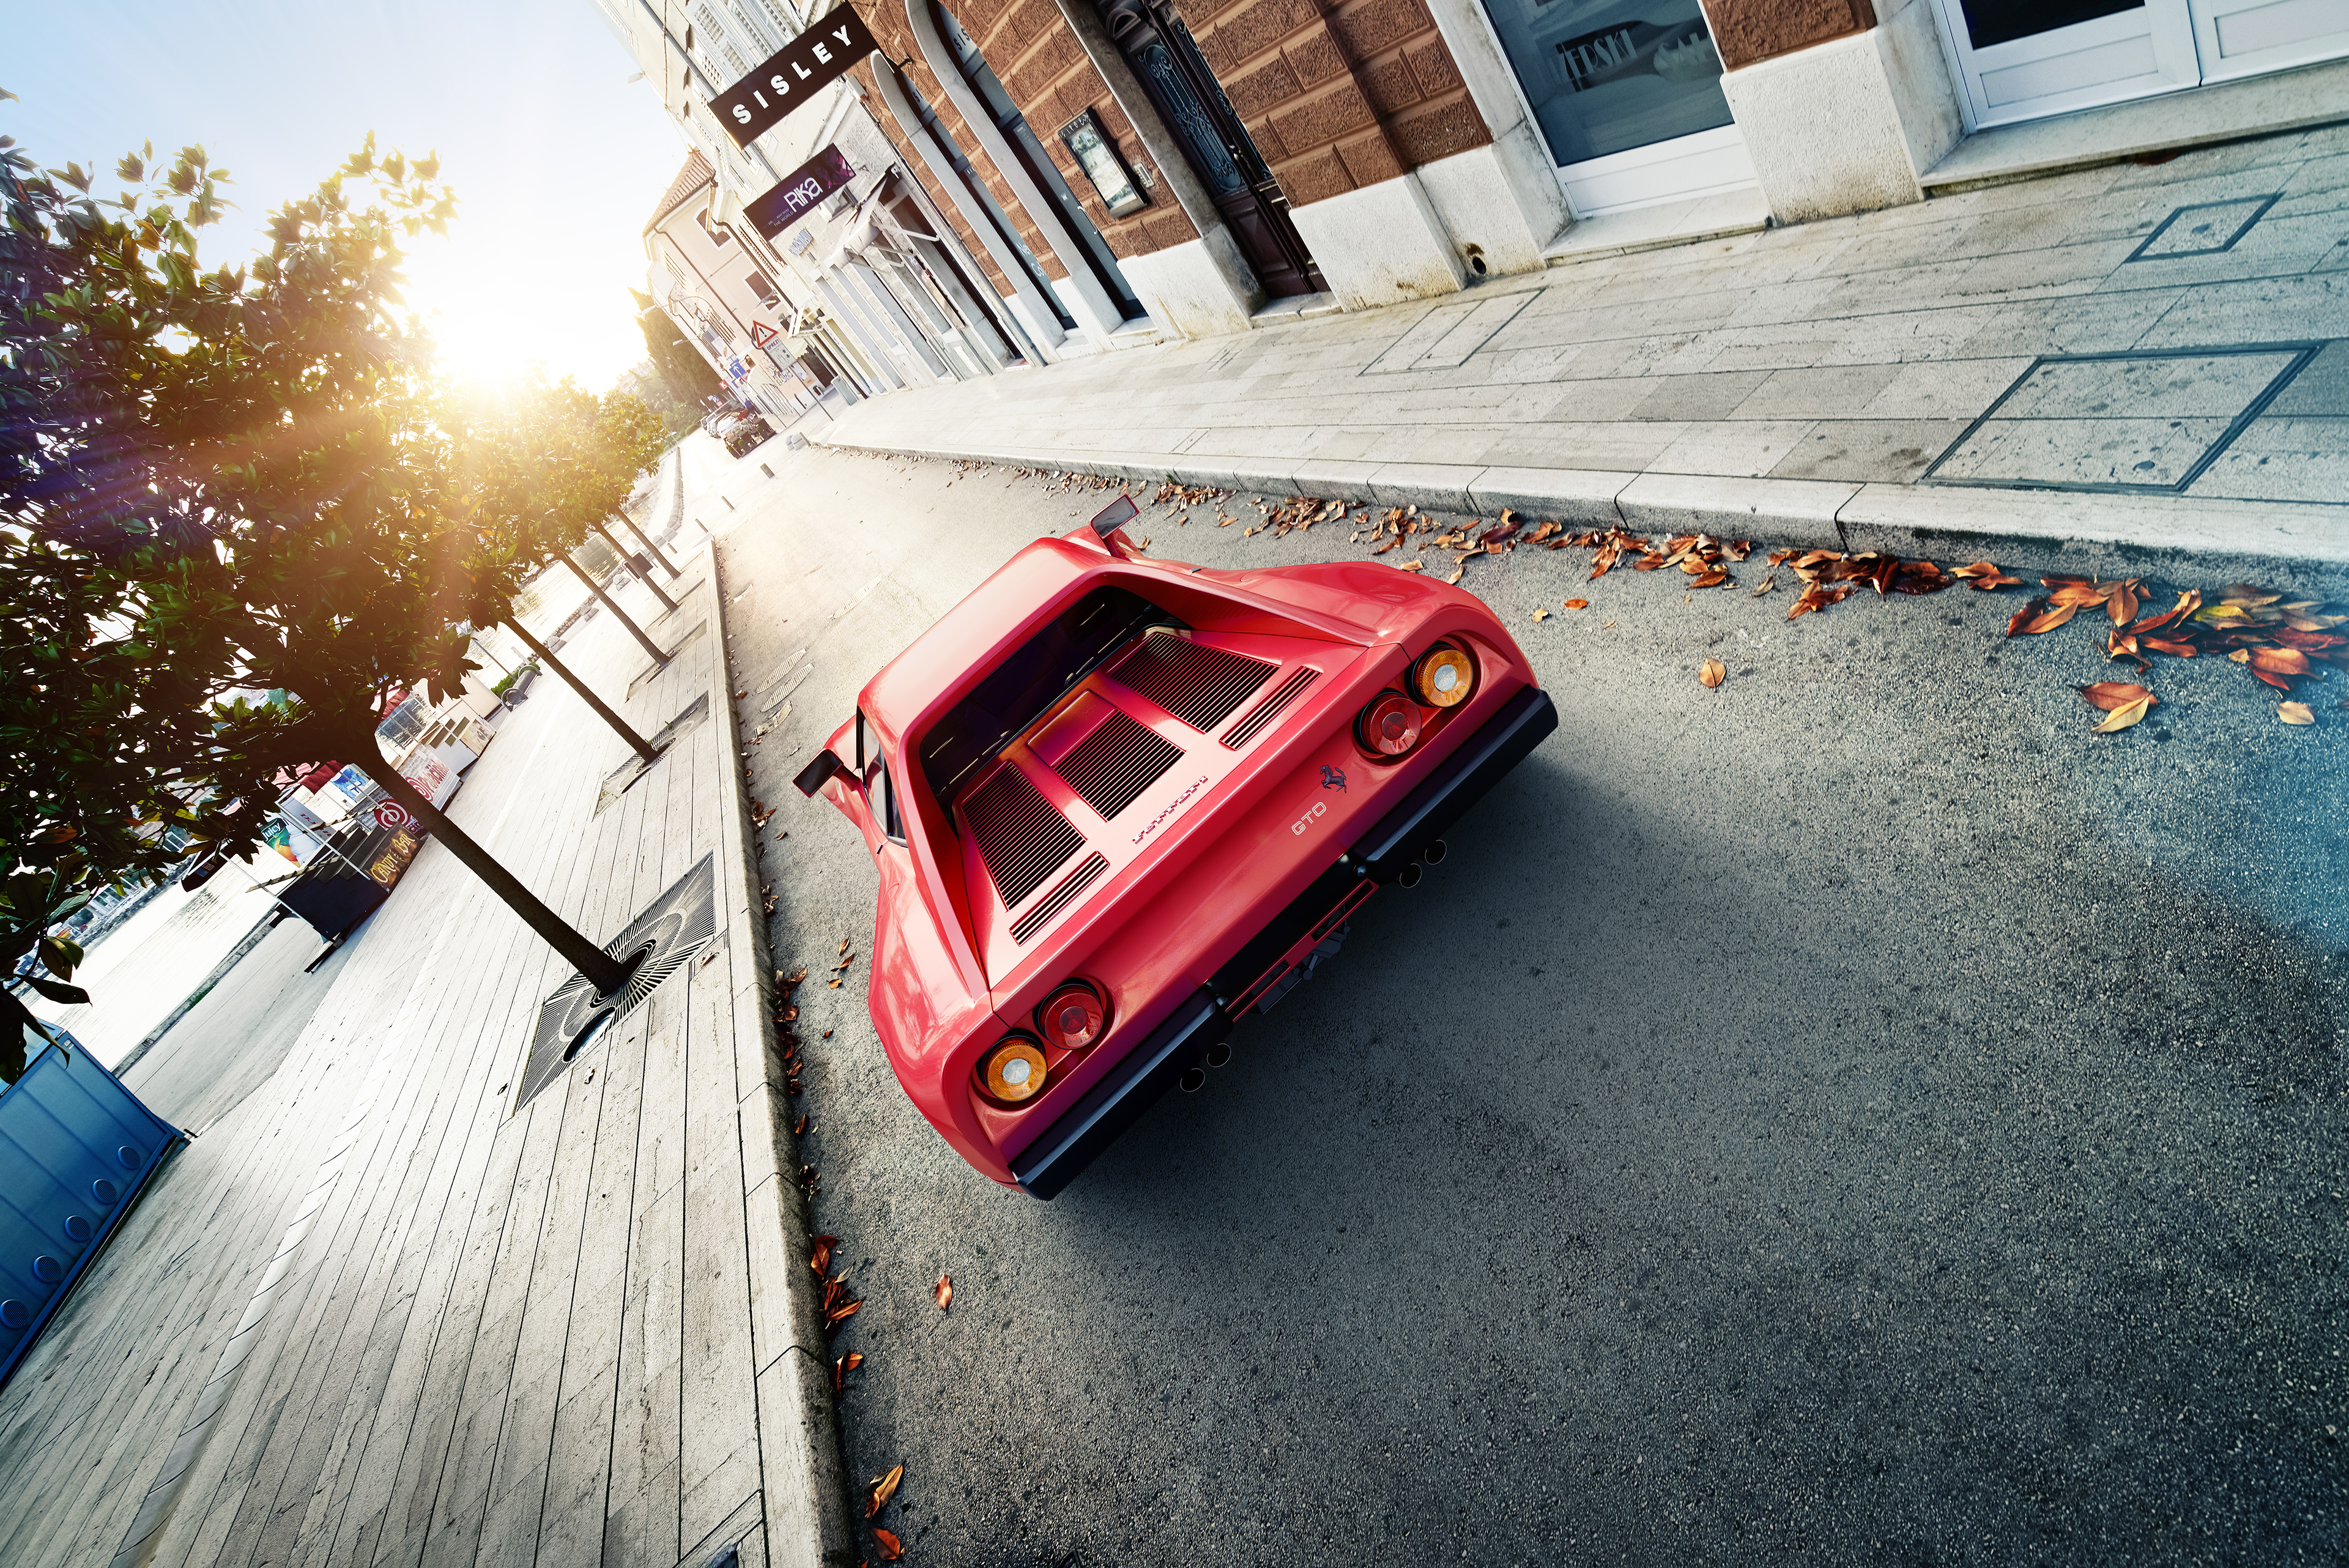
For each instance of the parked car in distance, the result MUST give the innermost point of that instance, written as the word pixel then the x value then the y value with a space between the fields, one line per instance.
pixel 1119 804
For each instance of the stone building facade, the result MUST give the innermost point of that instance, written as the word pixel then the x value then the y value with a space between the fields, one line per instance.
pixel 1117 172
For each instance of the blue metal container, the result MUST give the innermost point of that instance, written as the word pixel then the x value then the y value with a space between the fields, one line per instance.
pixel 75 1147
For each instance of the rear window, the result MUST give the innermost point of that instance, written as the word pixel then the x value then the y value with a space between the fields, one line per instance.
pixel 1031 679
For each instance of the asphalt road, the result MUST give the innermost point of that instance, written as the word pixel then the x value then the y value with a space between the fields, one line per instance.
pixel 1853 1116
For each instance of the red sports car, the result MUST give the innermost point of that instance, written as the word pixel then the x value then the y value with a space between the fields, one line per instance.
pixel 1119 803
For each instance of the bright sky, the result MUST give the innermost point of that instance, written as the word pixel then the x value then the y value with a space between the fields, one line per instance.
pixel 556 158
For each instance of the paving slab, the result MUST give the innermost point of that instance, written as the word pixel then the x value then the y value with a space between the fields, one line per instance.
pixel 2122 327
pixel 423 1325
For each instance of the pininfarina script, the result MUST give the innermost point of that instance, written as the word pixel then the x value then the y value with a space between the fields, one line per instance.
pixel 1172 807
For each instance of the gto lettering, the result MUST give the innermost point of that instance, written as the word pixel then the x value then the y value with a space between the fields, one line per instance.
pixel 1320 808
pixel 1172 807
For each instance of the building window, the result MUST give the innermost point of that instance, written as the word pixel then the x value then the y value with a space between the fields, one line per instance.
pixel 717 233
pixel 767 293
pixel 1094 251
pixel 996 216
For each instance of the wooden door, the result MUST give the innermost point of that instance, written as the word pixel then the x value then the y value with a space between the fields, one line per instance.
pixel 1215 144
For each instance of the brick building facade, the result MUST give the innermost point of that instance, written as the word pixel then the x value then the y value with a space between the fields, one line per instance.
pixel 1247 159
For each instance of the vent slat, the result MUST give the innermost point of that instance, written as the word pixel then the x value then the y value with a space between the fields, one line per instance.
pixel 1060 898
pixel 1198 684
pixel 1116 762
pixel 1266 711
pixel 1020 836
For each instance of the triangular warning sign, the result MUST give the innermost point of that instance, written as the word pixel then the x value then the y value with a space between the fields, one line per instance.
pixel 762 335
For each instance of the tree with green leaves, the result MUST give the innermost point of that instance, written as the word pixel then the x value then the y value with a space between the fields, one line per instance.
pixel 688 375
pixel 237 513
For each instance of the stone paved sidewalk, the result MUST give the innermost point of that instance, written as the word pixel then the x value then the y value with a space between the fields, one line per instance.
pixel 2170 339
pixel 377 1315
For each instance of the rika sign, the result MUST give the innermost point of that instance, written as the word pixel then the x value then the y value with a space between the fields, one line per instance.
pixel 793 74
pixel 798 191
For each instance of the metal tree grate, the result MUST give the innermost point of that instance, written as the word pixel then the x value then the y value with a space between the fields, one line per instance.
pixel 679 924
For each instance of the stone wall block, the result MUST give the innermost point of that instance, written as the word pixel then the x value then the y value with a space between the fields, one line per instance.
pixel 1314 55
pixel 1249 29
pixel 1268 142
pixel 1370 159
pixel 1438 130
pixel 1314 178
pixel 1373 26
pixel 1433 63
pixel 1267 87
pixel 1326 117
pixel 1745 31
pixel 1390 84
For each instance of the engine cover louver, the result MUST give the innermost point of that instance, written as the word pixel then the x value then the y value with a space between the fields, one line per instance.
pixel 1020 835
pixel 1198 684
pixel 1266 711
pixel 1117 761
pixel 1060 898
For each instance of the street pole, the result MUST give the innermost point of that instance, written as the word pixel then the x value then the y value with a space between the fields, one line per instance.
pixel 619 725
pixel 622 616
pixel 604 971
pixel 647 541
pixel 606 533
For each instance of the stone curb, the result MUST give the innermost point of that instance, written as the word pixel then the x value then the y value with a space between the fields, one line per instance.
pixel 1919 519
pixel 804 1479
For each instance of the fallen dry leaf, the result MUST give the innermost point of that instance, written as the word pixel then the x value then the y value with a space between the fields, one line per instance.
pixel 1767 583
pixel 2113 695
pixel 888 1545
pixel 2049 619
pixel 844 1366
pixel 2122 717
pixel 1540 613
pixel 944 1292
pixel 2280 660
pixel 2295 713
pixel 884 1488
pixel 1713 672
pixel 1577 604
pixel 821 1260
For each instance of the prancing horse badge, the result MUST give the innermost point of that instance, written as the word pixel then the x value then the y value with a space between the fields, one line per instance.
pixel 1333 778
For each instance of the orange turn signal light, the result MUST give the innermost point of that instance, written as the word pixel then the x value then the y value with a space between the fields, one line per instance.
pixel 1014 1071
pixel 1442 677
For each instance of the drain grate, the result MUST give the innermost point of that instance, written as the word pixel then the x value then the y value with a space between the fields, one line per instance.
pixel 679 924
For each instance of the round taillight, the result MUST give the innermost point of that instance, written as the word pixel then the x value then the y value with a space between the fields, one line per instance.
pixel 1390 725
pixel 1071 1017
pixel 1014 1071
pixel 1442 677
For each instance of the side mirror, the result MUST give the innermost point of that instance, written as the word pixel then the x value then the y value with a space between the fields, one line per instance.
pixel 818 772
pixel 1119 512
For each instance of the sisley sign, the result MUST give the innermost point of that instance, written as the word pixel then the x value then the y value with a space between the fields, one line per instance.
pixel 793 74
pixel 797 192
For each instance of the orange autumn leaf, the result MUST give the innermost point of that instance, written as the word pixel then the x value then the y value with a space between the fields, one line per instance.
pixel 1710 580
pixel 820 1260
pixel 944 1291
pixel 2124 715
pixel 2122 606
pixel 2176 649
pixel 2279 661
pixel 888 1545
pixel 884 1488
pixel 1577 604
pixel 2049 619
pixel 2295 713
pixel 2076 596
pixel 2112 694
pixel 844 1366
pixel 2021 618
pixel 1713 672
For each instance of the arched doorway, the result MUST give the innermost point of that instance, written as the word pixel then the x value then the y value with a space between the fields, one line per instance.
pixel 1218 147
pixel 1093 251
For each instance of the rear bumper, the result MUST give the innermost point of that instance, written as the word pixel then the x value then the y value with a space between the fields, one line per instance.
pixel 1400 837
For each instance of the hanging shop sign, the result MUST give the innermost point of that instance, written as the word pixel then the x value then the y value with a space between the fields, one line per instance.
pixel 800 243
pixel 793 197
pixel 793 75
